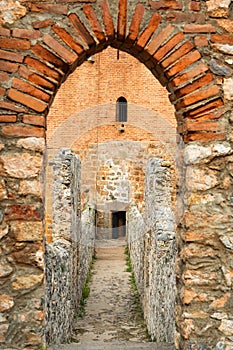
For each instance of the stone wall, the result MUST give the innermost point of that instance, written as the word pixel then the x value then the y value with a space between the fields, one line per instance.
pixel 152 247
pixel 68 257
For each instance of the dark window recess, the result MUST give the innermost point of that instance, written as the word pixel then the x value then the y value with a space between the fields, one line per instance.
pixel 118 224
pixel 121 112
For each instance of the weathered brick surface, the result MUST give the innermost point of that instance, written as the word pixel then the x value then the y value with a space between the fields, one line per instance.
pixel 61 50
pixel 159 39
pixel 192 73
pixel 165 49
pixel 107 19
pixel 122 20
pixel 48 56
pixel 81 30
pixel 8 118
pixel 30 89
pixel 11 56
pixel 180 52
pixel 14 44
pixel 199 28
pixel 8 66
pixel 165 5
pixel 92 17
pixel 26 100
pixel 34 119
pixel 22 131
pixel 135 24
pixel 148 32
pixel 25 33
pixel 42 68
pixel 68 39
pixel 35 78
pixel 184 63
pixel 50 8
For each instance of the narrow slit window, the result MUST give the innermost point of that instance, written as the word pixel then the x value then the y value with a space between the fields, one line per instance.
pixel 121 115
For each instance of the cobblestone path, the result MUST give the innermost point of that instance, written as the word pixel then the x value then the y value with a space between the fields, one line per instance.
pixel 112 319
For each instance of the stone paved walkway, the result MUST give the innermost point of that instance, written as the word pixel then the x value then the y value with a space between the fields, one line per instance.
pixel 112 320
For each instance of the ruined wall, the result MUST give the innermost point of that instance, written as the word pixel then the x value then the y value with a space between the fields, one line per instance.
pixel 68 256
pixel 152 246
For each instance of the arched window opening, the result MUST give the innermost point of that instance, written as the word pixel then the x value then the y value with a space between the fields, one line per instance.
pixel 121 114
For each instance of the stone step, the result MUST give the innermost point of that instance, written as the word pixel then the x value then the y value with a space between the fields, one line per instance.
pixel 114 346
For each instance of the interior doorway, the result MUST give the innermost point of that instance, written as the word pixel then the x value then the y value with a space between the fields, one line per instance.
pixel 118 224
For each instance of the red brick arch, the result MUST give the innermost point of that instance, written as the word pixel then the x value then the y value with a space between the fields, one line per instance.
pixel 44 56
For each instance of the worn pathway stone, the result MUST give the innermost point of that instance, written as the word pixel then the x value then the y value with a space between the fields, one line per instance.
pixel 112 319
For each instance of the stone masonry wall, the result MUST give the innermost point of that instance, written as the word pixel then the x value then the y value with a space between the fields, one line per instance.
pixel 153 250
pixel 68 257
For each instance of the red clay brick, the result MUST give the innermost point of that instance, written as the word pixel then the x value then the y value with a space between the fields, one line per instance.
pixel 165 5
pixel 68 39
pixel 149 31
pixel 222 38
pixel 15 44
pixel 197 96
pixel 25 33
pixel 20 131
pixel 27 100
pixel 50 8
pixel 2 91
pixel 8 66
pixel 205 80
pixel 199 28
pixel 35 78
pixel 176 39
pixel 184 63
pixel 92 17
pixel 194 72
pixel 34 119
pixel 202 126
pixel 42 68
pixel 134 28
pixel 216 114
pixel 159 39
pixel 107 19
pixel 5 32
pixel 82 30
pixel 201 41
pixel 204 137
pixel 48 56
pixel 30 89
pixel 197 112
pixel 122 20
pixel 11 56
pixel 180 17
pixel 8 118
pixel 42 24
pixel 180 52
pixel 11 107
pixel 61 50
pixel 194 6
pixel 4 76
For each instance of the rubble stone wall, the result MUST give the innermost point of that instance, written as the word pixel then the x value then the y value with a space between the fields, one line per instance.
pixel 68 257
pixel 152 246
